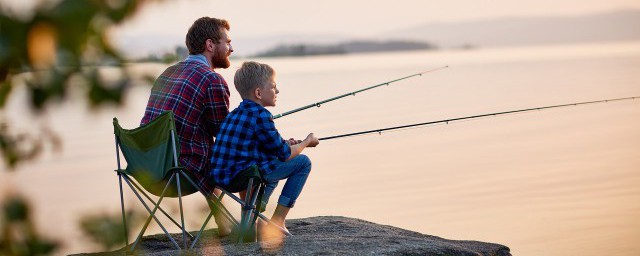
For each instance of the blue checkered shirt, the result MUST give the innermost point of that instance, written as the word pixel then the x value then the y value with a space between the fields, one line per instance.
pixel 247 136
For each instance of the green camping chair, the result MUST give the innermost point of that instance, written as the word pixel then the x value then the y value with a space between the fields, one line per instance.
pixel 152 152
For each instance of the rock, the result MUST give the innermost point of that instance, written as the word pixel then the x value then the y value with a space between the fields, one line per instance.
pixel 327 235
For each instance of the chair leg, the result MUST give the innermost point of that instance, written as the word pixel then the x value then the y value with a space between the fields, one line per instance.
pixel 225 213
pixel 152 214
pixel 254 199
pixel 195 240
pixel 124 219
pixel 161 210
pixel 242 204
pixel 184 238
pixel 214 202
pixel 244 223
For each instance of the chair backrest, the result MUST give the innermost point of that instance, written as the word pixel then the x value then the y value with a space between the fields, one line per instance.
pixel 151 152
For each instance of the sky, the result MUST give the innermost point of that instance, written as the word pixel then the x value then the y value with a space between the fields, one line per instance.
pixel 166 22
pixel 353 17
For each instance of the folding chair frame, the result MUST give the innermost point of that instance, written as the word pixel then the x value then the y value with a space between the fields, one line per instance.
pixel 249 214
pixel 212 200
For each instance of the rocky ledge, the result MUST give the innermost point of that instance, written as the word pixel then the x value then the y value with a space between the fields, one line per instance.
pixel 327 235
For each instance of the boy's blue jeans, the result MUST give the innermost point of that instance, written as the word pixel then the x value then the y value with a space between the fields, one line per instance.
pixel 296 172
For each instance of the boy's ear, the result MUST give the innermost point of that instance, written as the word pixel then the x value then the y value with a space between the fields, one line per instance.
pixel 258 93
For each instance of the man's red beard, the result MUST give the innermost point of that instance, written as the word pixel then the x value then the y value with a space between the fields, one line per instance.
pixel 220 60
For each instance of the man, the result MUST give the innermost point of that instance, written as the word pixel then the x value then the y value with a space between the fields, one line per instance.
pixel 198 97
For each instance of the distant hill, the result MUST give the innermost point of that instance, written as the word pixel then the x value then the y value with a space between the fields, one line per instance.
pixel 344 48
pixel 612 26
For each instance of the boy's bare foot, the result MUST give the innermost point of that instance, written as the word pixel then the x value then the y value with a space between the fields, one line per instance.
pixel 271 237
pixel 269 232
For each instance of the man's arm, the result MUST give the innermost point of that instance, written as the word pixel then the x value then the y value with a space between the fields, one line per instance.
pixel 216 104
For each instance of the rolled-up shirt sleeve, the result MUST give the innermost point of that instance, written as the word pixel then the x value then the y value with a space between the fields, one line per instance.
pixel 269 138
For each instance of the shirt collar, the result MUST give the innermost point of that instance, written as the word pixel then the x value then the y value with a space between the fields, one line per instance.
pixel 251 104
pixel 198 58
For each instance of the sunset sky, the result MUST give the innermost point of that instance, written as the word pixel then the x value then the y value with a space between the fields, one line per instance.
pixel 162 25
pixel 362 18
pixel 354 17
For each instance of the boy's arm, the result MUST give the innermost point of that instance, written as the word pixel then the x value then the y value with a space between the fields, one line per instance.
pixel 268 137
pixel 310 141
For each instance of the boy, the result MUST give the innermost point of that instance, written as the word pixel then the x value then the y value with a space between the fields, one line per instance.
pixel 248 137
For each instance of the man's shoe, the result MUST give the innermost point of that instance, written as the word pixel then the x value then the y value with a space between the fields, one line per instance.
pixel 224 226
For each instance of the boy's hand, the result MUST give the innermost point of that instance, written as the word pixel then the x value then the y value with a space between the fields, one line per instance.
pixel 312 140
pixel 293 141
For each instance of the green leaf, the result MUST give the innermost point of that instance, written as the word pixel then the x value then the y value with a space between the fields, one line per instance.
pixel 108 229
pixel 5 89
pixel 15 210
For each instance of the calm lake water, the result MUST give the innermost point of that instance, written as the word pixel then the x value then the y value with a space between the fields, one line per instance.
pixel 555 182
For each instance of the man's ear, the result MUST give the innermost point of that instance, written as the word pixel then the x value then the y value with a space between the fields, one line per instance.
pixel 209 45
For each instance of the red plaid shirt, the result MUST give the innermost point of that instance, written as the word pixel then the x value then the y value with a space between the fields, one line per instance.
pixel 199 99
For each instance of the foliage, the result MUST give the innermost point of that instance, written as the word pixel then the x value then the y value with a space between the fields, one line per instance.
pixel 19 236
pixel 108 229
pixel 61 47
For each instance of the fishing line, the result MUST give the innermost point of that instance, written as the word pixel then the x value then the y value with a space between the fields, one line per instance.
pixel 447 121
pixel 318 104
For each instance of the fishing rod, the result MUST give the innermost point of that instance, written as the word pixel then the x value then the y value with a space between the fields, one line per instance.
pixel 447 121
pixel 317 104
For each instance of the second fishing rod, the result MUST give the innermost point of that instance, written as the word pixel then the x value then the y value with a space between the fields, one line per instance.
pixel 319 103
pixel 450 120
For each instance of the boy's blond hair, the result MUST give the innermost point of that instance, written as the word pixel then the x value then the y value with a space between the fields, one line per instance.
pixel 250 76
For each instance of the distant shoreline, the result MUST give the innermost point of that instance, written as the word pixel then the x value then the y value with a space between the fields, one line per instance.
pixel 360 46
